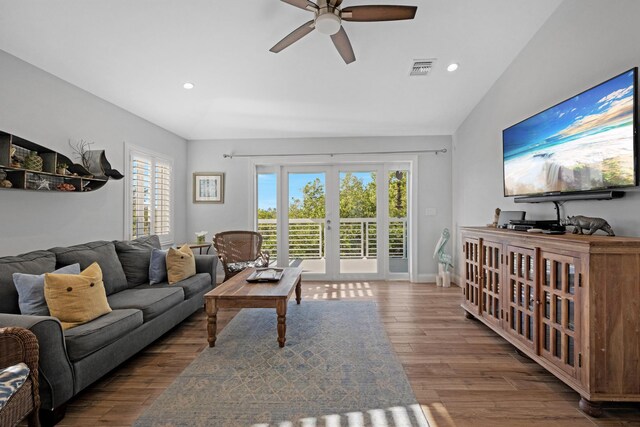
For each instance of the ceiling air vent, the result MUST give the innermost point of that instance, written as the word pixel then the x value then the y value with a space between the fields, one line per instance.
pixel 421 67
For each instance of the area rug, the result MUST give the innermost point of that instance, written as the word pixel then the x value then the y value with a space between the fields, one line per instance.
pixel 337 369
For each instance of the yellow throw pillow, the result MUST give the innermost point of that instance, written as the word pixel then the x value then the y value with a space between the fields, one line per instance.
pixel 76 298
pixel 181 264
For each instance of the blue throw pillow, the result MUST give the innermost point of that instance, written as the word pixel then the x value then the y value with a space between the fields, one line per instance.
pixel 30 289
pixel 158 266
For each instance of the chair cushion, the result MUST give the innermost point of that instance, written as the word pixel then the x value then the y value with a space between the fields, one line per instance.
pixel 158 266
pixel 152 301
pixel 181 264
pixel 191 286
pixel 76 298
pixel 30 289
pixel 38 262
pixel 235 267
pixel 102 252
pixel 86 339
pixel 11 379
pixel 134 256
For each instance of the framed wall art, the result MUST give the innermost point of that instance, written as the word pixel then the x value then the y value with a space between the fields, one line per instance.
pixel 208 187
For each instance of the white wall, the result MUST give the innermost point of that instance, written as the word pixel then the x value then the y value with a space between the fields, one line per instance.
pixel 39 107
pixel 584 43
pixel 434 174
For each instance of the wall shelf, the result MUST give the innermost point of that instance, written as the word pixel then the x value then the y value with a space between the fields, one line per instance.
pixel 14 148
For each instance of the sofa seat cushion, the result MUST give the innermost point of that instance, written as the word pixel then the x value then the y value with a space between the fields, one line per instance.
pixel 102 252
pixel 153 301
pixel 90 337
pixel 38 262
pixel 191 286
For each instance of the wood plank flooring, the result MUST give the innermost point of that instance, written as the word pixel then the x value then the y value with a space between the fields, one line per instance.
pixel 462 373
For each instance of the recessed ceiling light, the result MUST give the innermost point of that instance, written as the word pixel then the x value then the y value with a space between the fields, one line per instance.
pixel 452 67
pixel 188 85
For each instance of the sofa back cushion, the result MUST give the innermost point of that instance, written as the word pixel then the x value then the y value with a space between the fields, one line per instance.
pixel 38 262
pixel 102 252
pixel 134 256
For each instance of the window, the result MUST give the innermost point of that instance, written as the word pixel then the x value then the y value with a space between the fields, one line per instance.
pixel 149 210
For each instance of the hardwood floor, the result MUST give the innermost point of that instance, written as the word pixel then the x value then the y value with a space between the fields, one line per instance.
pixel 462 373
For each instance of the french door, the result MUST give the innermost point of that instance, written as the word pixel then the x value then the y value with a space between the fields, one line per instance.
pixel 335 220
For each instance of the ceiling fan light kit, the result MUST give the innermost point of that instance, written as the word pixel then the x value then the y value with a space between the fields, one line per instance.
pixel 328 20
pixel 328 24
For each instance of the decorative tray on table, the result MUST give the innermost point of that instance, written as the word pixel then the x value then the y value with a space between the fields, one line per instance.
pixel 266 275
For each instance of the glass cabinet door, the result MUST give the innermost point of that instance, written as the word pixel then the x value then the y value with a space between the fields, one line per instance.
pixel 472 274
pixel 490 307
pixel 560 317
pixel 520 305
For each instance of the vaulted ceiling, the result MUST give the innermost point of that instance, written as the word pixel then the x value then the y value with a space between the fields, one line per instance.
pixel 137 55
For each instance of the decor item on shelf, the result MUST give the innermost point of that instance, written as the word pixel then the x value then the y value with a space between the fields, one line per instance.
pixel 590 224
pixel 43 184
pixel 201 236
pixel 65 187
pixel 81 150
pixel 33 162
pixel 496 217
pixel 328 19
pixel 61 168
pixel 208 187
pixel 3 175
pixel 444 260
pixel 12 151
pixel 6 184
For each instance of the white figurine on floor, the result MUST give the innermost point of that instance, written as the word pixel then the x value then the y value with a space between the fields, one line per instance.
pixel 444 260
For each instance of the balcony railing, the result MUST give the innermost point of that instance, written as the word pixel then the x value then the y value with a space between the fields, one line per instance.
pixel 358 238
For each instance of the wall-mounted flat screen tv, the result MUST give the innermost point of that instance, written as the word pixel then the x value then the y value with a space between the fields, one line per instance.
pixel 585 143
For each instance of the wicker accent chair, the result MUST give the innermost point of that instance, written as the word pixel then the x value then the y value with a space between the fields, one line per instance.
pixel 20 345
pixel 238 250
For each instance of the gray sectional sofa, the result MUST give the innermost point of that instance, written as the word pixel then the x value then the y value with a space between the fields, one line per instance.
pixel 73 359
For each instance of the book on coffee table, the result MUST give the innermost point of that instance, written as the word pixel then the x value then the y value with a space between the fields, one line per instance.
pixel 266 275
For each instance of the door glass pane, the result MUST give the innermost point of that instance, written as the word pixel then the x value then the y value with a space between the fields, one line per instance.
pixel 572 278
pixel 358 223
pixel 398 235
pixel 267 214
pixel 547 272
pixel 307 221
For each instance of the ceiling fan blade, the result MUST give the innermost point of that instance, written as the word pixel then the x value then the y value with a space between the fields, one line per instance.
pixel 303 4
pixel 335 3
pixel 294 36
pixel 342 43
pixel 378 13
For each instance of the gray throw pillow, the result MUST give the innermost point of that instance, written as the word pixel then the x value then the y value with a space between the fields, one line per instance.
pixel 30 289
pixel 158 266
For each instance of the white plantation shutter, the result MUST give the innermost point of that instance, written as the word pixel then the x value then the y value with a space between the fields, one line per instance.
pixel 162 217
pixel 150 197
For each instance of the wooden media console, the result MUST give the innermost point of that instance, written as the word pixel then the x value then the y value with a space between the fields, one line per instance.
pixel 569 302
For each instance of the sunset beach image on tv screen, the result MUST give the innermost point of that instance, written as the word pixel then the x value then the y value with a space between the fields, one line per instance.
pixel 584 143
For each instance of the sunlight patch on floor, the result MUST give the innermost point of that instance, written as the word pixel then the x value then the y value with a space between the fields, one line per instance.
pixel 395 416
pixel 343 290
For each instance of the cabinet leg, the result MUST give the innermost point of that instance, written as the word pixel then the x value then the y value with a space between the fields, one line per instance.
pixel 468 315
pixel 593 409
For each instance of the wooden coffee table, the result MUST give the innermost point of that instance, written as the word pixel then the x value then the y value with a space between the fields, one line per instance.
pixel 238 293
